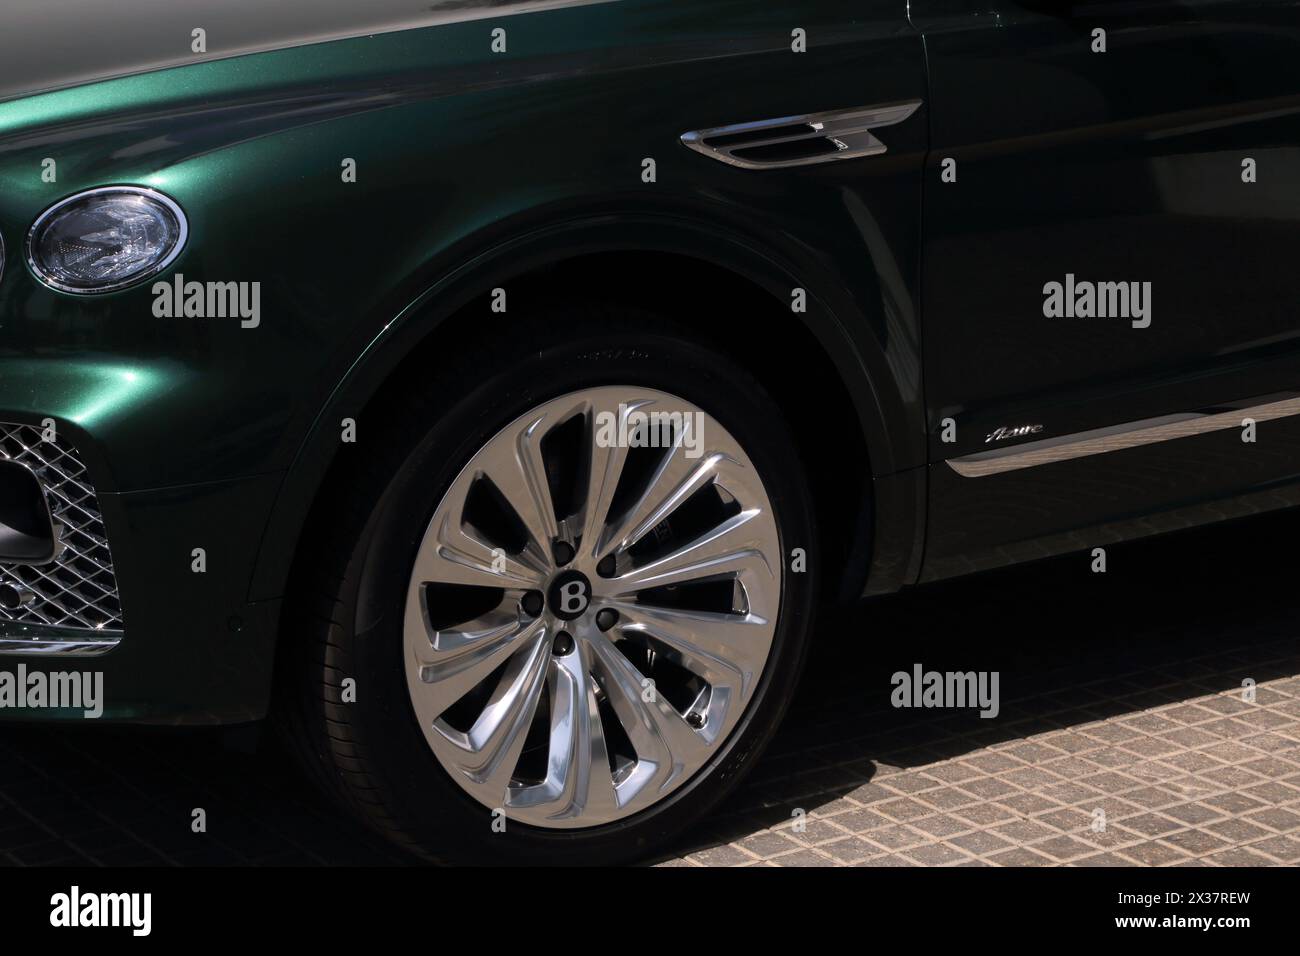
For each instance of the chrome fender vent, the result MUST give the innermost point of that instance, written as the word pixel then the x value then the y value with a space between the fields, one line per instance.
pixel 800 140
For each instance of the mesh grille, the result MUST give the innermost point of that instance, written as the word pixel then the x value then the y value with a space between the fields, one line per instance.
pixel 78 589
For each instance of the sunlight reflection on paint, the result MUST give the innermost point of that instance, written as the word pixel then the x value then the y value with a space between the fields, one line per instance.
pixel 110 389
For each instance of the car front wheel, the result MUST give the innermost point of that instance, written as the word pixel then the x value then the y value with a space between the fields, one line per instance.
pixel 554 618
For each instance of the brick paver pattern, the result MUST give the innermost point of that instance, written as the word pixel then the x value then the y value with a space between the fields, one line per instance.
pixel 1164 766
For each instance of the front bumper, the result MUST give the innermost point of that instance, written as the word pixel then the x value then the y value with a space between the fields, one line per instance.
pixel 174 638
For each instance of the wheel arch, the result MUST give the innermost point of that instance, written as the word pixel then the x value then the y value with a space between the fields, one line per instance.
pixel 846 383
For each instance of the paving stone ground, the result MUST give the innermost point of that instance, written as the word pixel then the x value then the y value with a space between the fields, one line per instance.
pixel 1153 767
pixel 1121 695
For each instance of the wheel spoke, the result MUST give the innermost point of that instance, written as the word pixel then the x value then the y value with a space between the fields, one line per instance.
pixel 460 557
pixel 724 649
pixel 730 549
pixel 518 472
pixel 605 467
pixel 675 479
pixel 459 659
pixel 665 744
pixel 494 743
pixel 578 780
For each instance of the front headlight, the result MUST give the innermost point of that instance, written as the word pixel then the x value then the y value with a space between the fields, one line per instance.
pixel 105 239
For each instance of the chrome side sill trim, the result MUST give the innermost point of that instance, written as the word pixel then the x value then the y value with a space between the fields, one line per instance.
pixel 1114 438
pixel 845 133
pixel 63 648
pixel 67 641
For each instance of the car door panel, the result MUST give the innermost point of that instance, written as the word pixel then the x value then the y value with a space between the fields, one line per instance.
pixel 1116 166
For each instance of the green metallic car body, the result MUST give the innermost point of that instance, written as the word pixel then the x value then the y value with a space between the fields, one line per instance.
pixel 474 168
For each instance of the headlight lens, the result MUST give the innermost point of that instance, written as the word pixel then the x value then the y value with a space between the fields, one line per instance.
pixel 105 239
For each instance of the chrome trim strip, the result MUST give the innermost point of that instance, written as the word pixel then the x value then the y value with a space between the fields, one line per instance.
pixel 1115 438
pixel 63 648
pixel 44 639
pixel 848 130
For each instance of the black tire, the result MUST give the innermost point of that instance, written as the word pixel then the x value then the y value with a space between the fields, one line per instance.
pixel 344 617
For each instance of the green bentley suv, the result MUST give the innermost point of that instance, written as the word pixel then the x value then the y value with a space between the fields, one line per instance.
pixel 489 391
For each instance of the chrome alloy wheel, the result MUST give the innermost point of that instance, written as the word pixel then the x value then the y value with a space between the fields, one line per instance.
pixel 586 622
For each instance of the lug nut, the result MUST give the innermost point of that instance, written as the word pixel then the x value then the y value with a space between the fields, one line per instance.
pixel 606 618
pixel 606 567
pixel 532 603
pixel 563 552
pixel 563 644
pixel 695 719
